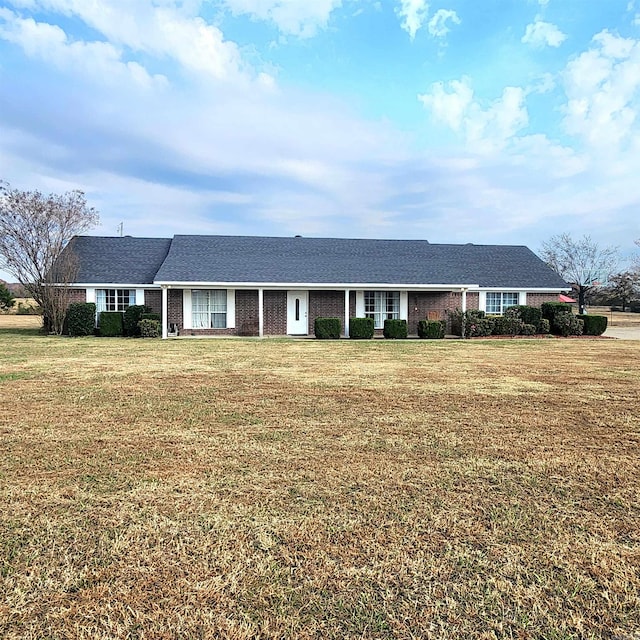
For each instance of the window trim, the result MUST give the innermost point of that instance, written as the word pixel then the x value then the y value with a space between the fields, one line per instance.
pixel 381 309
pixel 116 301
pixel 502 306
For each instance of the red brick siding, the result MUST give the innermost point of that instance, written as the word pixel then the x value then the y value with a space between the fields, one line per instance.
pixel 175 308
pixel 77 295
pixel 275 313
pixel 536 299
pixel 153 300
pixel 247 315
pixel 326 304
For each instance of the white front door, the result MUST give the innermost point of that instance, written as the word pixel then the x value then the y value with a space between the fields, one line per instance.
pixel 297 322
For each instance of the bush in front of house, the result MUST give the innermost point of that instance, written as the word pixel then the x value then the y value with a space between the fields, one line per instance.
pixel 509 324
pixel 361 328
pixel 529 329
pixel 149 328
pixel 110 324
pixel 545 326
pixel 431 329
pixel 151 316
pixel 566 324
pixel 81 319
pixel 553 311
pixel 593 325
pixel 327 328
pixel 529 315
pixel 395 329
pixel 132 316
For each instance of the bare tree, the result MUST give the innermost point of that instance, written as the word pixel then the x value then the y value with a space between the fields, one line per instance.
pixel 34 230
pixel 582 263
pixel 624 286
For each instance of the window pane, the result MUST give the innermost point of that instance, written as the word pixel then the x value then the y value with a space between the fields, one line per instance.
pixel 509 300
pixel 209 309
pixel 494 302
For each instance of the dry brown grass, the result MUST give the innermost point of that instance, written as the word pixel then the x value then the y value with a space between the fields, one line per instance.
pixel 617 318
pixel 304 489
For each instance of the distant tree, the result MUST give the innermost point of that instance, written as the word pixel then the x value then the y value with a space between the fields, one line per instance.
pixel 582 263
pixel 34 229
pixel 624 286
pixel 6 298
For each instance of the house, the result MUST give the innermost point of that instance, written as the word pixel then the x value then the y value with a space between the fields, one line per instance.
pixel 245 285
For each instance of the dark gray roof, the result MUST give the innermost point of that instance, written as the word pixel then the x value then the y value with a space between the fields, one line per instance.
pixel 119 260
pixel 329 260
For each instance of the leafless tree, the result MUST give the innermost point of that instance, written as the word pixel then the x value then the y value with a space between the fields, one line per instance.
pixel 582 263
pixel 34 230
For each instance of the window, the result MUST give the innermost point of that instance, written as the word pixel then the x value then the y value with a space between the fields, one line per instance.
pixel 497 301
pixel 209 308
pixel 114 299
pixel 381 306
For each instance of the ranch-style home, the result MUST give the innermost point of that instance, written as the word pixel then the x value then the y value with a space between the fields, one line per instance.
pixel 244 285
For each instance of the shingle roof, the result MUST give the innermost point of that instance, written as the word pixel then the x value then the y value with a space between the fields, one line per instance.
pixel 267 260
pixel 119 260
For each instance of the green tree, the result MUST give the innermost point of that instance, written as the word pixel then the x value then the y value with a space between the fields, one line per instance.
pixel 582 263
pixel 6 298
pixel 34 229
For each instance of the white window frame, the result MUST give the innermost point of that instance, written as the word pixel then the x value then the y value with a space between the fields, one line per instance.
pixel 499 301
pixel 209 309
pixel 381 306
pixel 119 300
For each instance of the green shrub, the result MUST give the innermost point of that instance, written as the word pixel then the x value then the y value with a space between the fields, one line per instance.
pixel 361 328
pixel 476 323
pixel 510 324
pixel 110 324
pixel 149 328
pixel 80 319
pixel 433 329
pixel 553 312
pixel 132 316
pixel 327 328
pixel 545 326
pixel 395 329
pixel 566 324
pixel 593 325
pixel 529 329
pixel 149 315
pixel 529 315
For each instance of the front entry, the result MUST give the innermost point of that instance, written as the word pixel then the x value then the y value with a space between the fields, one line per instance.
pixel 297 307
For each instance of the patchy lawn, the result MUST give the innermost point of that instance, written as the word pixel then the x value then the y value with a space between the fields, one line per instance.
pixel 306 489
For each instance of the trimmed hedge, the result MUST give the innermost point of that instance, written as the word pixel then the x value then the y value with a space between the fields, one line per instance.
pixel 395 329
pixel 361 328
pixel 566 324
pixel 149 328
pixel 545 326
pixel 132 316
pixel 432 329
pixel 327 328
pixel 593 325
pixel 81 319
pixel 110 324
pixel 529 315
pixel 152 316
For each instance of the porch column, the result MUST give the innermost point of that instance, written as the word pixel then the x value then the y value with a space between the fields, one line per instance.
pixel 165 313
pixel 464 308
pixel 261 312
pixel 346 312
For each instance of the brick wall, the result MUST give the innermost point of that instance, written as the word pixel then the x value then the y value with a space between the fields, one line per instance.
pixel 153 300
pixel 275 313
pixel 77 295
pixel 247 316
pixel 326 304
pixel 174 314
pixel 536 299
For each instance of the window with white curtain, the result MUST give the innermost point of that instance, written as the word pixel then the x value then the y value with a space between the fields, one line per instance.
pixel 381 306
pixel 114 299
pixel 498 301
pixel 209 308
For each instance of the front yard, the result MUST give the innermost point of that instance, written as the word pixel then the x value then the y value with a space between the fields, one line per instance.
pixel 308 489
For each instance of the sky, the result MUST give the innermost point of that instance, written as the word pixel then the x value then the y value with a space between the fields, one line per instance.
pixel 484 121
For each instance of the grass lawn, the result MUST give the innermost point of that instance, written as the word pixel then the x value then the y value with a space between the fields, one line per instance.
pixel 304 489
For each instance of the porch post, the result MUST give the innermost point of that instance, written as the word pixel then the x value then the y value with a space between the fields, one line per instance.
pixel 165 313
pixel 464 309
pixel 347 294
pixel 261 312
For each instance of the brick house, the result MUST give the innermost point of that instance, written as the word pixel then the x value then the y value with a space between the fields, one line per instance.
pixel 245 285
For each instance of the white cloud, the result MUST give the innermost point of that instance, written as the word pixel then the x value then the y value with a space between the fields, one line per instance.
pixel 540 34
pixel 166 29
pixel 438 24
pixel 603 92
pixel 300 18
pixel 51 44
pixel 485 129
pixel 413 13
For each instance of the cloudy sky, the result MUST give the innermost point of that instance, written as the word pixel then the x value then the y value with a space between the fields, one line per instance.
pixel 486 121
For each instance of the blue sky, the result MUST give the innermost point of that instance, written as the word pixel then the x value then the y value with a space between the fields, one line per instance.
pixel 485 121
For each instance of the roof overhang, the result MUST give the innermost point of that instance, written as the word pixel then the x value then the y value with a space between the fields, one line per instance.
pixel 387 286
